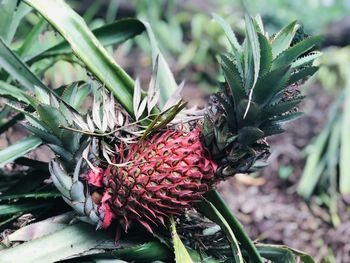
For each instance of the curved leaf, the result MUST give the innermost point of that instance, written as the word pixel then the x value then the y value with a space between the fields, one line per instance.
pixel 283 38
pixel 228 32
pixel 10 18
pixel 210 211
pixel 18 149
pixel 14 93
pixel 236 47
pixel 237 228
pixel 181 253
pixel 41 195
pixel 253 64
pixel 233 79
pixel 114 33
pixel 283 254
pixel 270 84
pixel 251 58
pixel 87 48
pixel 71 241
pixel 146 252
pixel 265 54
pixel 302 74
pixel 22 208
pixel 165 80
pixel 291 54
pixel 17 69
pixel 32 38
pixel 344 164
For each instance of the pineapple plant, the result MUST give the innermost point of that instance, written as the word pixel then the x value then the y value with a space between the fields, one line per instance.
pixel 169 169
pixel 134 160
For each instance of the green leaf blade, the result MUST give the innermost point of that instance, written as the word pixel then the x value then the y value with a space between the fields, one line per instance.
pixel 302 74
pixel 280 108
pixel 234 80
pixel 69 242
pixel 228 32
pixel 18 149
pixel 114 33
pixel 265 54
pixel 21 208
pixel 291 54
pixel 344 164
pixel 210 211
pixel 87 48
pixel 181 253
pixel 246 243
pixel 18 69
pixel 283 38
pixel 254 49
pixel 270 84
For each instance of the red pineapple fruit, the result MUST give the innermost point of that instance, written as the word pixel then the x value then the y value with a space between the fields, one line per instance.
pixel 159 176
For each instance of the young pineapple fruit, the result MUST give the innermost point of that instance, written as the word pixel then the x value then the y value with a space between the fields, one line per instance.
pixel 112 167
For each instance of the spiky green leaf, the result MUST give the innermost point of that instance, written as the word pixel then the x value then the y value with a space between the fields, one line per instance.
pixel 283 254
pixel 252 54
pixel 44 134
pixel 275 110
pixel 228 31
pixel 288 56
pixel 282 40
pixel 246 243
pixel 10 209
pixel 270 84
pixel 16 94
pixel 180 251
pixel 236 47
pixel 32 38
pixel 284 118
pixel 53 118
pixel 252 116
pixel 37 195
pixel 87 48
pixel 113 33
pixel 302 74
pixel 10 18
pixel 210 211
pixel 72 241
pixel 276 254
pixel 248 135
pixel 265 54
pixel 272 130
pixel 149 251
pixel 76 93
pixel 18 149
pixel 306 60
pixel 17 69
pixel 165 80
pixel 233 79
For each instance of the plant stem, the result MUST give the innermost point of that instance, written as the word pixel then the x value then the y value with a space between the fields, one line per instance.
pixel 215 198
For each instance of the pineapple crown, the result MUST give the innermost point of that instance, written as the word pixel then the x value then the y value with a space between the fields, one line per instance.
pixel 260 91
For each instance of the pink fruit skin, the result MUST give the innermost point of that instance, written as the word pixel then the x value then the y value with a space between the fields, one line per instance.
pixel 158 177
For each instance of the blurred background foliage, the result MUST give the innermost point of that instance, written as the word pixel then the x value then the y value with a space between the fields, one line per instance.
pixel 190 40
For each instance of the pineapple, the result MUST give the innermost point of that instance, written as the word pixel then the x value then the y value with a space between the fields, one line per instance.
pixel 114 167
pixel 161 176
